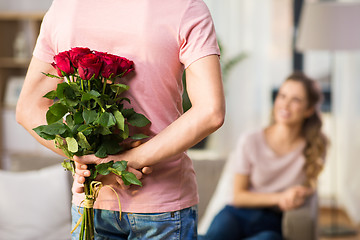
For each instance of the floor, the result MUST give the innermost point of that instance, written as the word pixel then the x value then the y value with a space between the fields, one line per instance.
pixel 327 216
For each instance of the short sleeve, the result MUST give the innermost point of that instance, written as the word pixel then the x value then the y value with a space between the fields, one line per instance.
pixel 197 34
pixel 45 49
pixel 242 163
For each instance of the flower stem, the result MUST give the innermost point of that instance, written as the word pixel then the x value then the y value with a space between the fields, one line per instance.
pixel 104 86
pixel 82 230
pixel 88 215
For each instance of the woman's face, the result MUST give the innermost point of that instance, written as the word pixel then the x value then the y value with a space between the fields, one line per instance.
pixel 291 105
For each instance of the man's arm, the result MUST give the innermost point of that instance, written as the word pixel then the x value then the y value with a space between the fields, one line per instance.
pixel 205 90
pixel 204 84
pixel 32 106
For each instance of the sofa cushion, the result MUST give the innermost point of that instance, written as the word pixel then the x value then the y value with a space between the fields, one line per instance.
pixel 35 204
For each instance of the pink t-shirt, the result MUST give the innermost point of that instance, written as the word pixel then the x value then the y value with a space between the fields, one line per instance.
pixel 162 38
pixel 268 171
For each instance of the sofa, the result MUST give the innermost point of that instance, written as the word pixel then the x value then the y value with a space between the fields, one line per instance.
pixel 35 199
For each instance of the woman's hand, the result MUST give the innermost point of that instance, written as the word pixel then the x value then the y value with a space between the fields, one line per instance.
pixel 293 197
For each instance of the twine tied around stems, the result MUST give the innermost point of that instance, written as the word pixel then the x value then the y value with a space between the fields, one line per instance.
pixel 88 202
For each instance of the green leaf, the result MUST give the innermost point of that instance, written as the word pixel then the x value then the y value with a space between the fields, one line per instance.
pixel 139 136
pixel 69 165
pixel 72 144
pixel 51 75
pixel 124 134
pixel 128 112
pixel 70 121
pixel 120 99
pixel 75 87
pixel 112 147
pixel 135 119
pixel 50 95
pixel 101 152
pixel 59 143
pixel 85 129
pixel 89 116
pixel 138 120
pixel 120 165
pixel 90 95
pixel 103 130
pixel 78 118
pixel 51 118
pixel 71 102
pixel 113 170
pixel 39 131
pixel 130 178
pixel 58 109
pixel 60 89
pixel 108 106
pixel 93 174
pixel 69 92
pixel 103 168
pixel 120 120
pixel 55 129
pixel 119 88
pixel 107 119
pixel 83 142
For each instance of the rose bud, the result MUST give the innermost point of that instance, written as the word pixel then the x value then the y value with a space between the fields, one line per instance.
pixel 62 64
pixel 89 66
pixel 76 53
pixel 126 66
pixel 110 65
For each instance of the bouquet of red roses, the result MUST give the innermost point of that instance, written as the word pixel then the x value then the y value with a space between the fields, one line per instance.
pixel 88 117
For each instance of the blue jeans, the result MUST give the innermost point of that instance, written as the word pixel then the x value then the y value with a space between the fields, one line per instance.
pixel 180 224
pixel 245 223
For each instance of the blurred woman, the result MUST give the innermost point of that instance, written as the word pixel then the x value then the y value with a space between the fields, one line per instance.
pixel 276 167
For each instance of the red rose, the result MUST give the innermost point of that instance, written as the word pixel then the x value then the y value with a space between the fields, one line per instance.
pixel 62 64
pixel 110 64
pixel 89 66
pixel 77 53
pixel 126 66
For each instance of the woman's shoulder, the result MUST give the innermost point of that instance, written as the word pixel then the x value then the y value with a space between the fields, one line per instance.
pixel 251 137
pixel 253 134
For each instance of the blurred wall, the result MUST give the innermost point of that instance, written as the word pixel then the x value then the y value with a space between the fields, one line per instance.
pixel 24 5
pixel 262 29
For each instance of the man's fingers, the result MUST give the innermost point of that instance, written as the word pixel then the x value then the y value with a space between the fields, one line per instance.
pixel 80 166
pixel 146 170
pixel 137 173
pixel 79 189
pixel 121 183
pixel 89 159
pixel 135 144
pixel 79 179
pixel 130 145
pixel 83 173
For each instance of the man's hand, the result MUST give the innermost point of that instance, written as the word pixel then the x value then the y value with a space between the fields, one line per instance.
pixel 293 197
pixel 81 170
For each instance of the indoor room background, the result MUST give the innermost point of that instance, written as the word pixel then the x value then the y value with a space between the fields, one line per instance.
pixel 264 31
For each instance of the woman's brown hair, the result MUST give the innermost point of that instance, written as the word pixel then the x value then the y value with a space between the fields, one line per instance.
pixel 316 141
